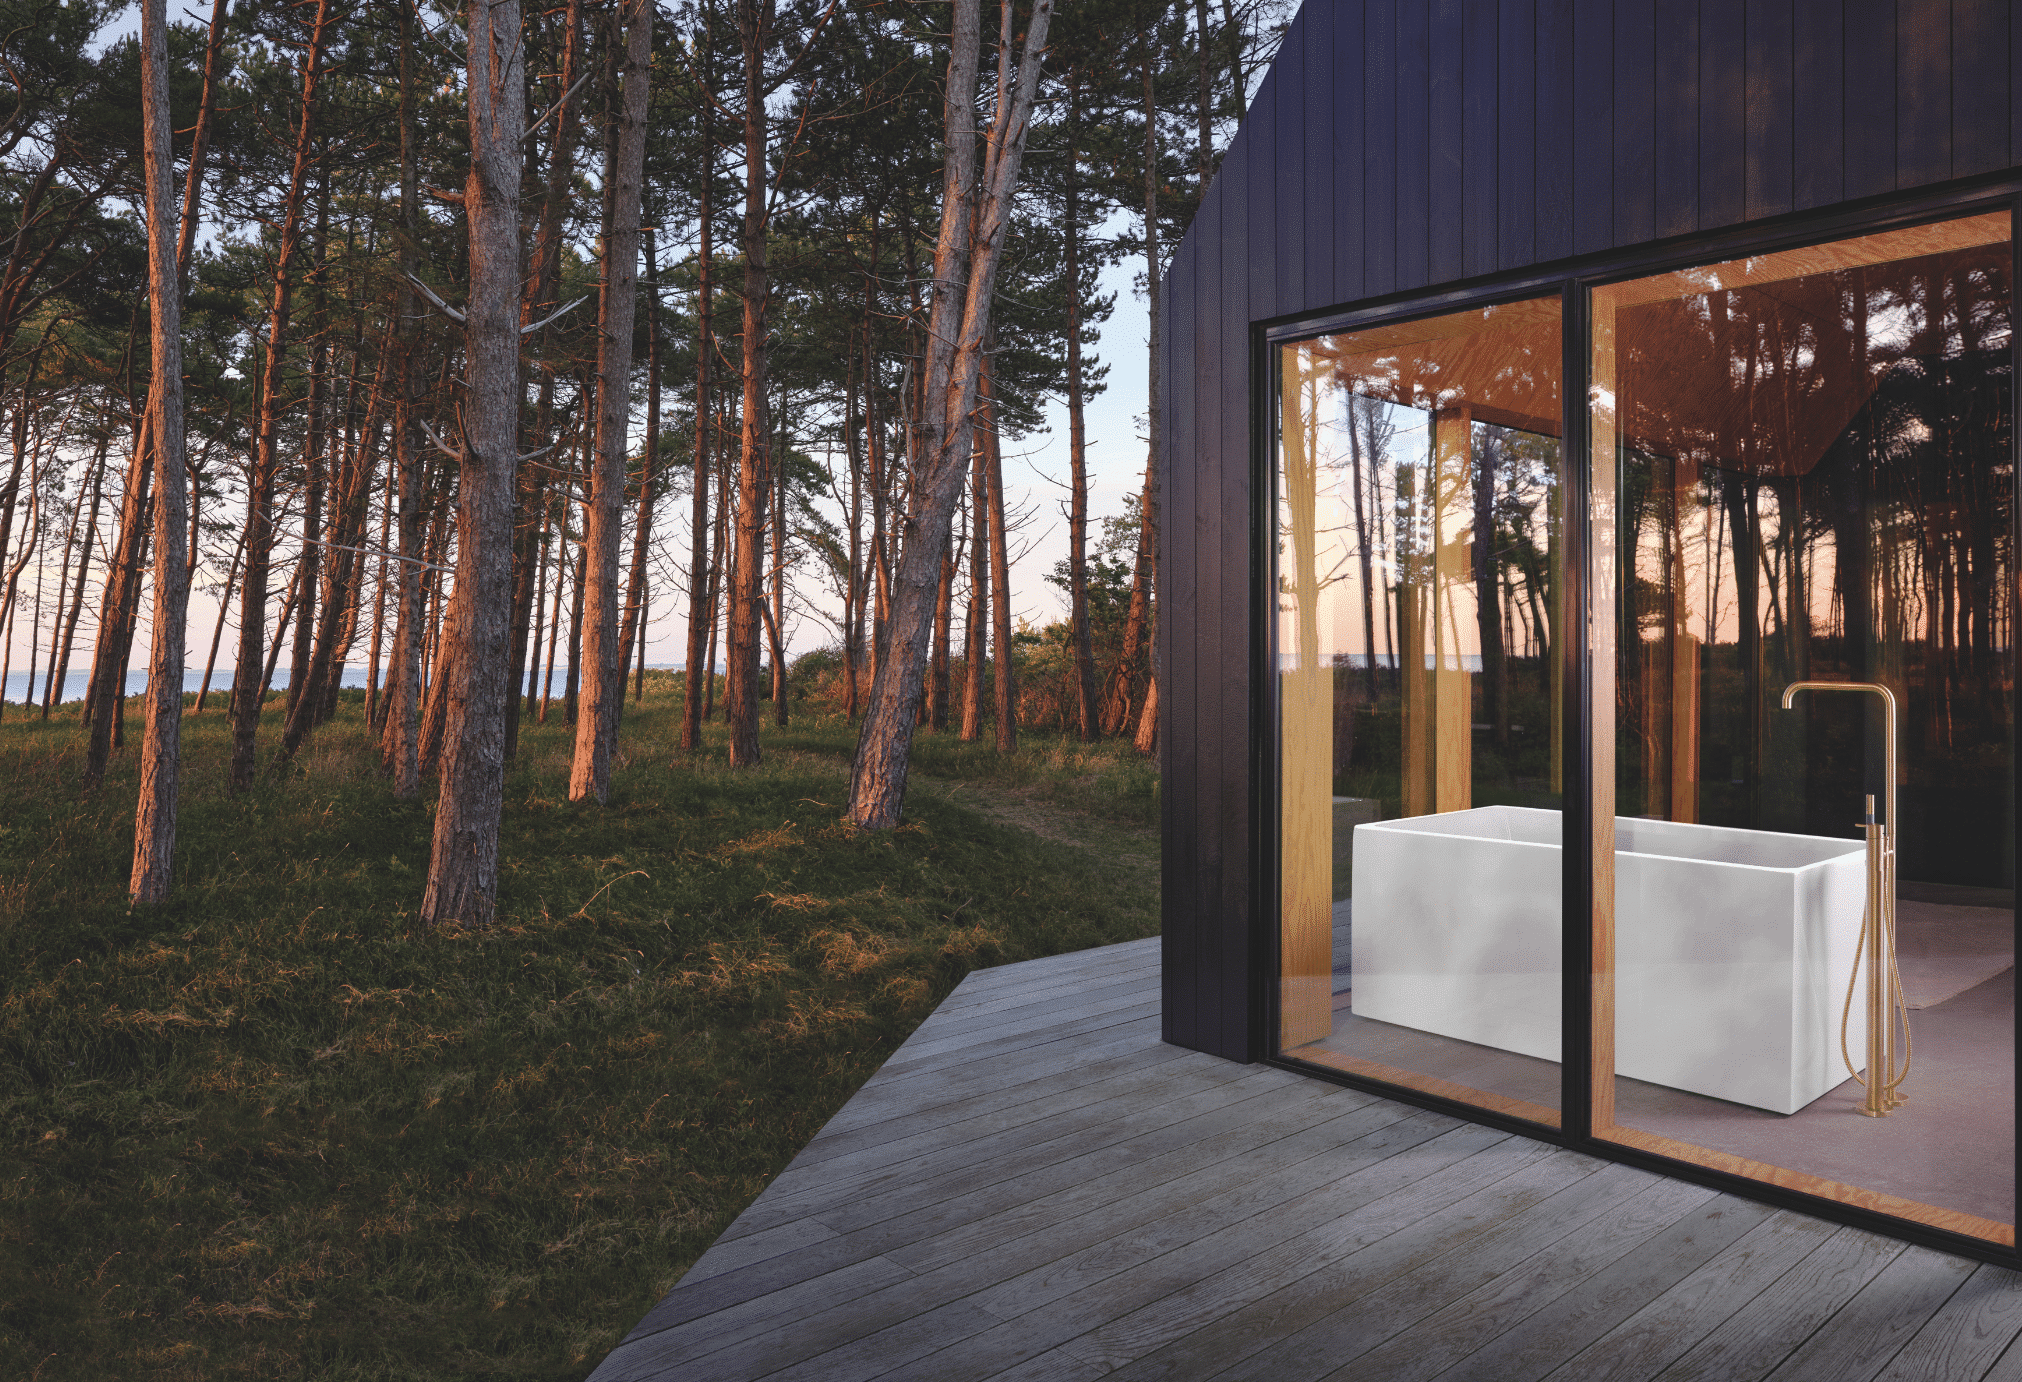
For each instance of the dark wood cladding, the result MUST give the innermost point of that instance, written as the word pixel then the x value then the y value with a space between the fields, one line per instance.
pixel 1401 145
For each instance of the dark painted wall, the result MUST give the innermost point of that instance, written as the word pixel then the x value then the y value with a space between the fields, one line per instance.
pixel 1402 144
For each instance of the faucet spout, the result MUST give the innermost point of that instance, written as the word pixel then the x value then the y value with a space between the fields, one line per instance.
pixel 1886 1008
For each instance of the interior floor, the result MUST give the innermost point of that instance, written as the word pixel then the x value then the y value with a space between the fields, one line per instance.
pixel 1951 1145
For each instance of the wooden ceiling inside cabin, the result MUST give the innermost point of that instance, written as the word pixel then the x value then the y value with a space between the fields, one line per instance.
pixel 1764 379
pixel 1502 362
pixel 1753 364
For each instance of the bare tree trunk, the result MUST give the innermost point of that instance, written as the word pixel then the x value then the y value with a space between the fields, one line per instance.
pixel 218 630
pixel 696 670
pixel 944 618
pixel 535 641
pixel 61 663
pixel 977 635
pixel 538 305
pixel 463 868
pixel 1086 713
pixel 754 466
pixel 775 620
pixel 378 617
pixel 104 700
pixel 1147 542
pixel 634 630
pixel 247 678
pixel 403 710
pixel 718 562
pixel 853 589
pixel 154 836
pixel 604 656
pixel 555 618
pixel 572 681
pixel 1004 682
pixel 315 455
pixel 974 222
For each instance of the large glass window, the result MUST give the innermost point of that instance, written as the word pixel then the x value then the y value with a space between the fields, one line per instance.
pixel 1804 663
pixel 1418 689
pixel 1799 613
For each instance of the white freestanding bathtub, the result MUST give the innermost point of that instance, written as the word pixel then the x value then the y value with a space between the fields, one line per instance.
pixel 1732 947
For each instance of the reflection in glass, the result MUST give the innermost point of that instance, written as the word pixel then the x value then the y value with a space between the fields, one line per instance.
pixel 1418 691
pixel 1802 471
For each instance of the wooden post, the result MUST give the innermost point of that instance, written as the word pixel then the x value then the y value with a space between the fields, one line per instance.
pixel 1452 580
pixel 1305 737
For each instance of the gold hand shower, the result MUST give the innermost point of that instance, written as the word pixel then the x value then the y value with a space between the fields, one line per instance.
pixel 1886 1008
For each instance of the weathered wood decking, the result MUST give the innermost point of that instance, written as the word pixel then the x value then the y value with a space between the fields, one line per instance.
pixel 1034 1187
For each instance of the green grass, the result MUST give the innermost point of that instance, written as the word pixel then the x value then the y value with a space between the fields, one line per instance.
pixel 276 1129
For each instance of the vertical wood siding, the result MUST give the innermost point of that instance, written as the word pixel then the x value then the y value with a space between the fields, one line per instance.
pixel 1401 144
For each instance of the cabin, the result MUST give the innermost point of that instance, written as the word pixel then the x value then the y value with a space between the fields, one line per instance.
pixel 1588 613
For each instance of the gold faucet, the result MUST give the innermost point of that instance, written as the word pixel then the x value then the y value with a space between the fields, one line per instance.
pixel 1886 1008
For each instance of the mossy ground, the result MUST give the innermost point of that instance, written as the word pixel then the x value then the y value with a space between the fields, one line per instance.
pixel 275 1128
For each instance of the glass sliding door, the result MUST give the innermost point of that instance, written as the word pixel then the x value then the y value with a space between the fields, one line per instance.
pixel 1803 642
pixel 1417 634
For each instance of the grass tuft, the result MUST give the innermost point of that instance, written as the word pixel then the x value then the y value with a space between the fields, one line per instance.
pixel 275 1128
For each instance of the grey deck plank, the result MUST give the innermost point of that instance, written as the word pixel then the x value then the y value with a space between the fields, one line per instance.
pixel 943 1167
pixel 1447 1315
pixel 772 1274
pixel 1152 1301
pixel 964 1004
pixel 1548 1326
pixel 1052 1096
pixel 1451 1247
pixel 1057 1302
pixel 1858 1341
pixel 1968 1334
pixel 1017 1021
pixel 972 1279
pixel 883 1107
pixel 1035 1189
pixel 1060 1042
pixel 1665 1329
pixel 729 1254
pixel 1756 1338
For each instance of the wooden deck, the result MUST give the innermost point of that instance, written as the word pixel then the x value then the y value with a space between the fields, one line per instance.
pixel 1035 1187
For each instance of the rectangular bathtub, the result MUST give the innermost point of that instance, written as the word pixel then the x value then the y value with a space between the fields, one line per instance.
pixel 1732 947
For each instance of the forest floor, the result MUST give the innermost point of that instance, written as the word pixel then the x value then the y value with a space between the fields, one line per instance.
pixel 275 1128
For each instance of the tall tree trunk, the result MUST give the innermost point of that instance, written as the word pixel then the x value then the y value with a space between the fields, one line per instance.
pixel 976 643
pixel 974 221
pixel 403 709
pixel 315 454
pixel 1004 683
pixel 696 671
pixel 604 656
pixel 154 836
pixel 61 665
pixel 572 682
pixel 1147 541
pixel 944 619
pixel 218 629
pixel 754 465
pixel 104 704
pixel 775 620
pixel 463 867
pixel 538 305
pixel 248 678
pixel 649 468
pixel 1077 450
pixel 1137 619
pixel 853 586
